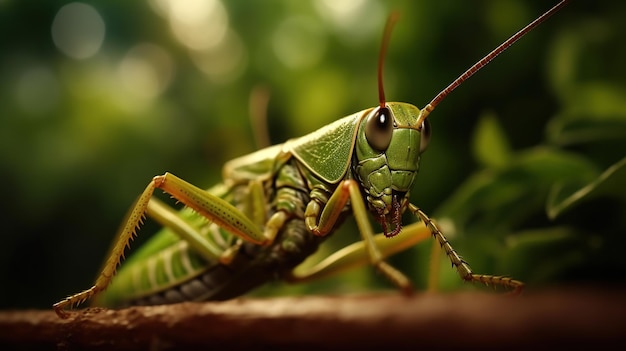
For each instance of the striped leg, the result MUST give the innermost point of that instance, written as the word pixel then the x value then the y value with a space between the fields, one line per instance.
pixel 461 266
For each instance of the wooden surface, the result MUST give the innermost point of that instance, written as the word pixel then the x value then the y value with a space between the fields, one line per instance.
pixel 565 318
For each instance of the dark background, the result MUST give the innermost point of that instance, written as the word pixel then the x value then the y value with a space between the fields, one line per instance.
pixel 81 137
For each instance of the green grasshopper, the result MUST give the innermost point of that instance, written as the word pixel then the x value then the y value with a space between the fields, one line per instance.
pixel 276 205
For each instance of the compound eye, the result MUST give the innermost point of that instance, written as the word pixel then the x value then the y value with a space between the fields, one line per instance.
pixel 425 132
pixel 379 129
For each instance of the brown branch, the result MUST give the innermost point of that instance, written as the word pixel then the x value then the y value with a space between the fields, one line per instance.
pixel 568 317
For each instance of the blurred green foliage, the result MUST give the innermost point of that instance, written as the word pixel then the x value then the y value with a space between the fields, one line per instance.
pixel 525 171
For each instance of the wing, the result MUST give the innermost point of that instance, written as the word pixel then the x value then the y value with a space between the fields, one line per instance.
pixel 327 151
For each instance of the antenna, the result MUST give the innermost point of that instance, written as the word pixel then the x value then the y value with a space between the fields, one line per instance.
pixel 483 62
pixel 391 21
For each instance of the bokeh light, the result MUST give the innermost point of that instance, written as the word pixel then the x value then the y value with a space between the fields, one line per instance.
pixel 198 24
pixel 37 91
pixel 225 62
pixel 146 70
pixel 299 42
pixel 202 27
pixel 78 30
pixel 354 20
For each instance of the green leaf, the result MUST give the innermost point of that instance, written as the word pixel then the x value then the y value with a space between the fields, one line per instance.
pixel 490 144
pixel 596 100
pixel 564 196
pixel 504 196
pixel 552 165
pixel 550 251
pixel 571 131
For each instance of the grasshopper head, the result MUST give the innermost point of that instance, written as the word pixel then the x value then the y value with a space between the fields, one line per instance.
pixel 387 153
pixel 392 137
